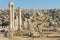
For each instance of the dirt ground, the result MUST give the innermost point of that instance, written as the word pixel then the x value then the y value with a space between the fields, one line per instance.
pixel 22 38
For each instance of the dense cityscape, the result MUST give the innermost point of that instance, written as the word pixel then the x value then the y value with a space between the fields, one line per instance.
pixel 33 18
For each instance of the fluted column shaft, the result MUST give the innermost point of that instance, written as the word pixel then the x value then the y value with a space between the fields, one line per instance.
pixel 11 11
pixel 19 18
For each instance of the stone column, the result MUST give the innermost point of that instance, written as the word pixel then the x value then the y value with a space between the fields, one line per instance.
pixel 11 11
pixel 19 18
pixel 16 22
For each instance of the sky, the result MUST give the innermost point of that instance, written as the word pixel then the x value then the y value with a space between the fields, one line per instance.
pixel 37 4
